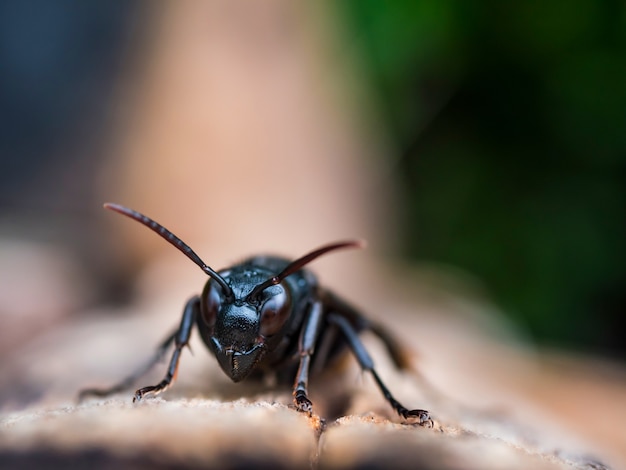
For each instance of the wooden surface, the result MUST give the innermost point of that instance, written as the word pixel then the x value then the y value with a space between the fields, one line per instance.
pixel 494 405
pixel 198 433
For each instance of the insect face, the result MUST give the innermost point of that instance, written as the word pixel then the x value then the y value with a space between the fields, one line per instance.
pixel 241 327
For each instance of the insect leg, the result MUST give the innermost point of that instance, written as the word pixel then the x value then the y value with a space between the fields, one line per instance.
pixel 396 350
pixel 306 346
pixel 181 339
pixel 131 379
pixel 366 362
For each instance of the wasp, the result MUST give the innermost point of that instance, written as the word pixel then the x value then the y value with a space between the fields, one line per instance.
pixel 267 315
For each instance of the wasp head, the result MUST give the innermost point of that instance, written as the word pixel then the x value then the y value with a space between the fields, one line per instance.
pixel 241 324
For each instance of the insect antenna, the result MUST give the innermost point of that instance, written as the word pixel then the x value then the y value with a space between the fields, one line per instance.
pixel 174 240
pixel 301 262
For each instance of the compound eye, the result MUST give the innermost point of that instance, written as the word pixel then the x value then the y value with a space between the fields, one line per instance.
pixel 211 301
pixel 274 313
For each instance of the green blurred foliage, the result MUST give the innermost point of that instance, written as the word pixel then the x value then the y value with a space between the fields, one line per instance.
pixel 509 120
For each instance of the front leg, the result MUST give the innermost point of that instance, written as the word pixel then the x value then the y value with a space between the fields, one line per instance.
pixel 181 339
pixel 306 347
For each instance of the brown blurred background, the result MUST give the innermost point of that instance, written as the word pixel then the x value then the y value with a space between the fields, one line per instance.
pixel 479 150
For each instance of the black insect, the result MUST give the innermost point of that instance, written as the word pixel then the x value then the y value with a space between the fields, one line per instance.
pixel 267 315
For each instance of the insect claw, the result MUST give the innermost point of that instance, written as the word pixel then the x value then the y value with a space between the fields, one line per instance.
pixel 303 404
pixel 139 394
pixel 424 417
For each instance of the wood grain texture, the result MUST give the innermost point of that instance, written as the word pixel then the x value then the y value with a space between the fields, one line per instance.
pixel 205 421
pixel 207 433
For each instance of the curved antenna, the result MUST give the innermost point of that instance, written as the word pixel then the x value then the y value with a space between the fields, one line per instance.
pixel 174 240
pixel 300 262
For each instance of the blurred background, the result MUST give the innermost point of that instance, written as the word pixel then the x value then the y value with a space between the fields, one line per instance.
pixel 508 126
pixel 491 146
pixel 478 147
